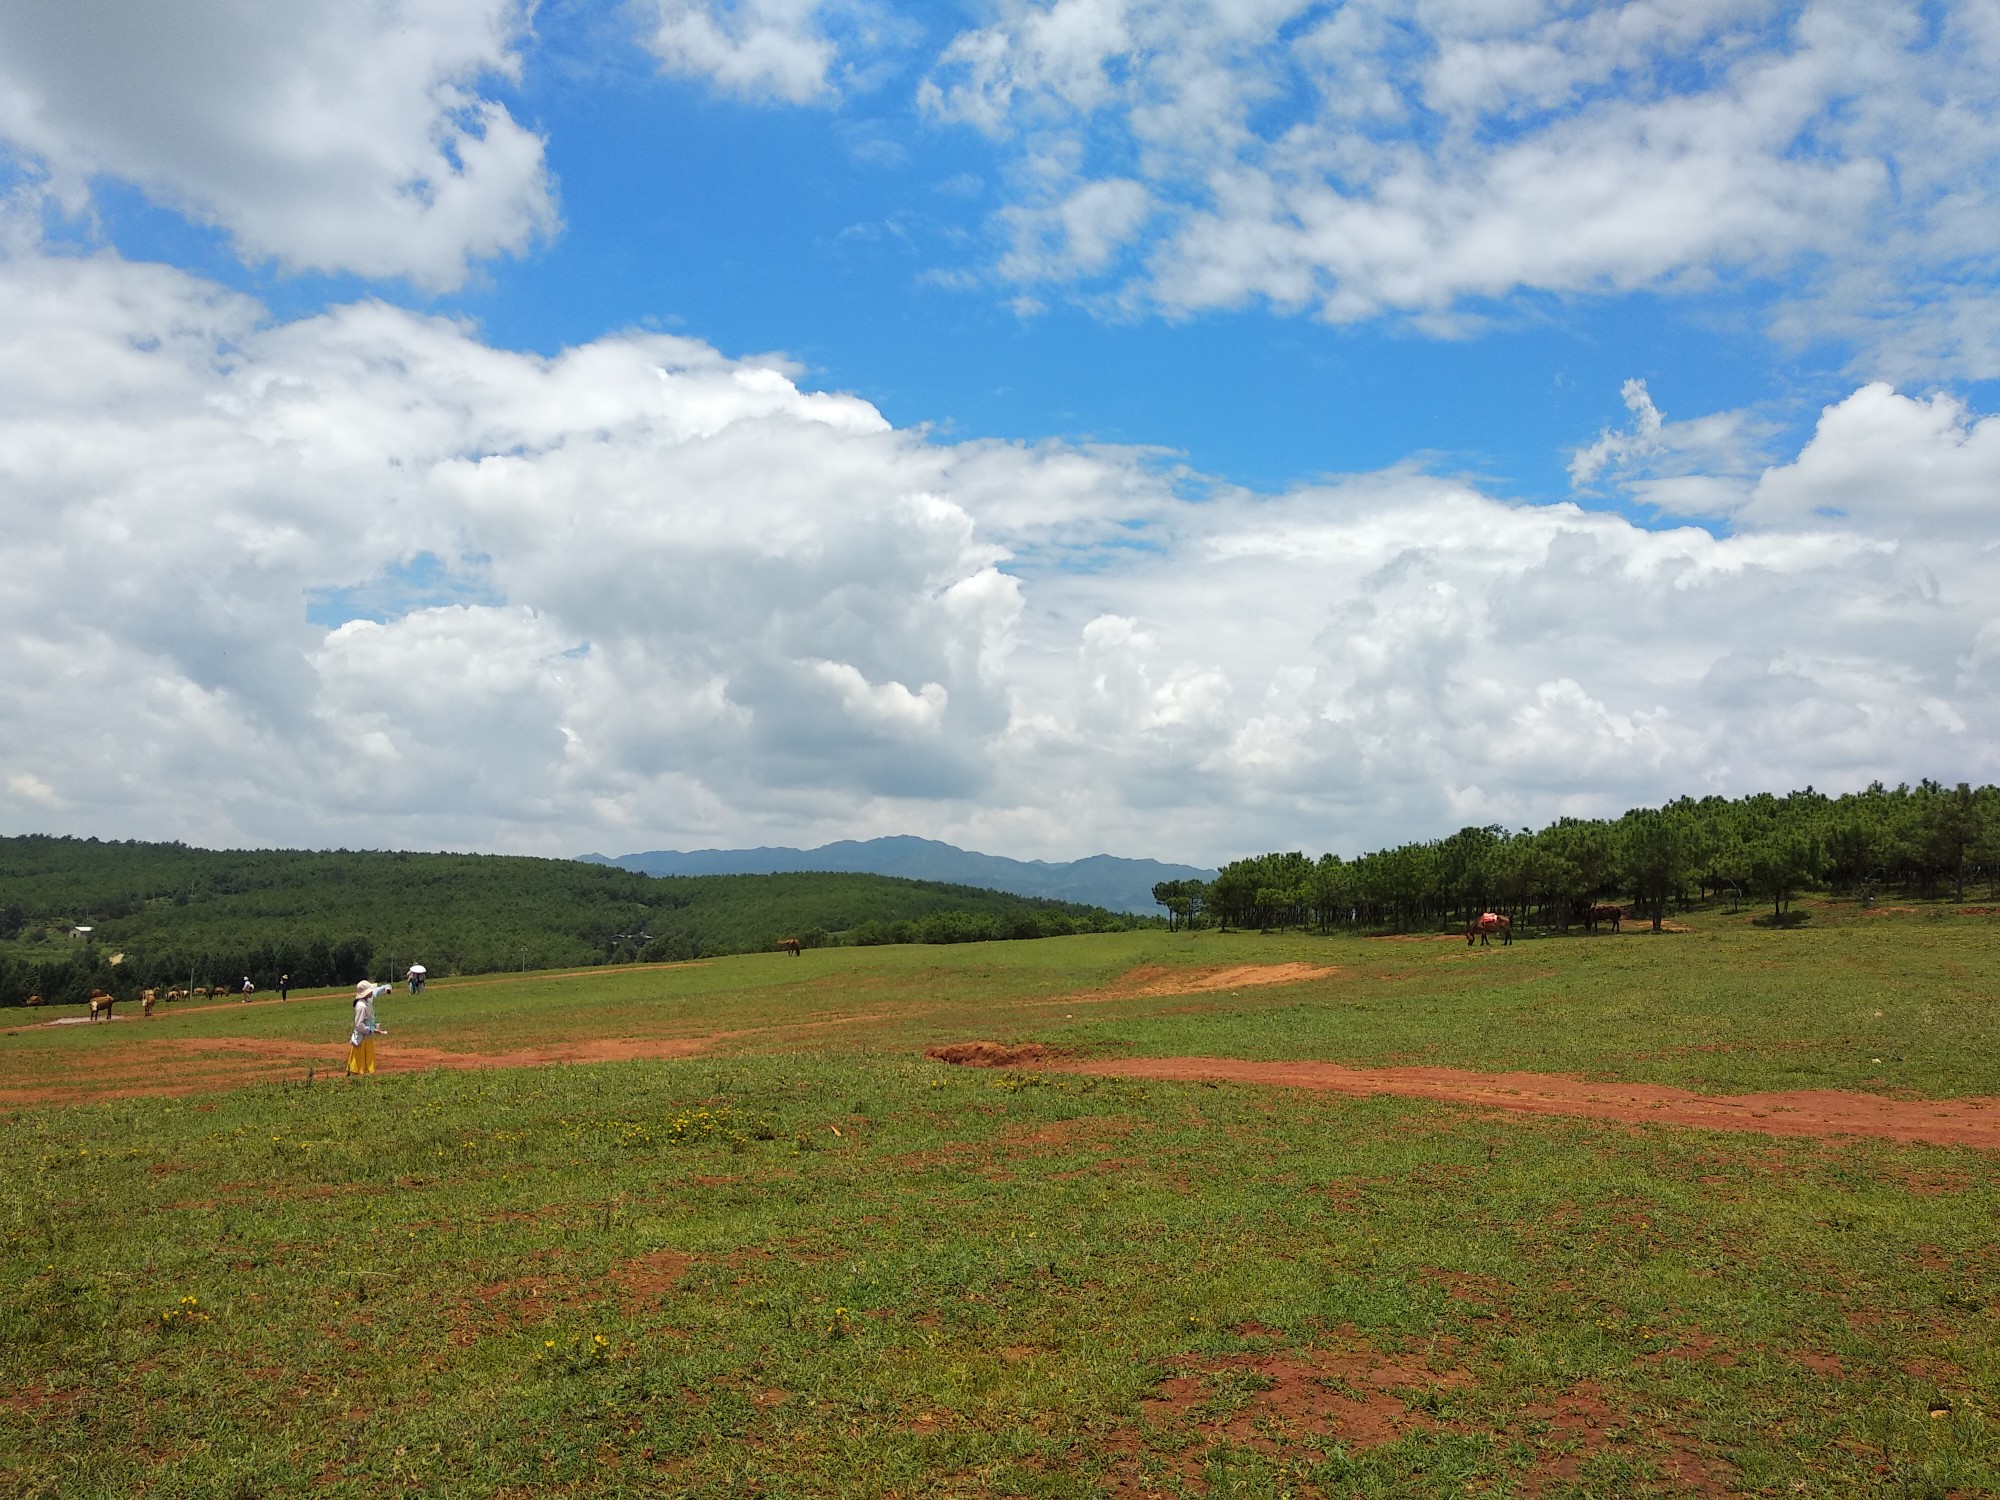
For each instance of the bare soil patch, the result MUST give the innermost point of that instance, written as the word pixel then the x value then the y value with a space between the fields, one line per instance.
pixel 172 1066
pixel 1153 980
pixel 1289 1404
pixel 648 1278
pixel 393 1058
pixel 1264 1401
pixel 505 1306
pixel 1807 1112
pixel 993 1054
pixel 1581 1424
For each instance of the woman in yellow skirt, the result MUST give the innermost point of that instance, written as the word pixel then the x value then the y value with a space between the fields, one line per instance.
pixel 361 1041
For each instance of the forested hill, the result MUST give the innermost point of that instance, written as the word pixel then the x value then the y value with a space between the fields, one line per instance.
pixel 1099 880
pixel 330 917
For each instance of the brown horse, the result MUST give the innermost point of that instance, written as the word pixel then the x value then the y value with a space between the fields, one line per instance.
pixel 789 945
pixel 1486 924
pixel 1603 913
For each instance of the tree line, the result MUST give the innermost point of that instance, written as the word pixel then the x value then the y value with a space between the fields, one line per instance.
pixel 1924 841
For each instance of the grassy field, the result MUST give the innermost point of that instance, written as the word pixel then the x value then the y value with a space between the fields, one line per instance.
pixel 804 1260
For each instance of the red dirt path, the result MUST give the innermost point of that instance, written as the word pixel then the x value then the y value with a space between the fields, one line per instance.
pixel 205 1064
pixel 406 1059
pixel 1814 1112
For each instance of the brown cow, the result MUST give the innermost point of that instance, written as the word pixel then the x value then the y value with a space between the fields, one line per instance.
pixel 34 999
pixel 1486 924
pixel 100 1004
pixel 789 945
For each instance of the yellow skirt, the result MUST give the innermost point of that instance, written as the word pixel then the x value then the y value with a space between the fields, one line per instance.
pixel 361 1059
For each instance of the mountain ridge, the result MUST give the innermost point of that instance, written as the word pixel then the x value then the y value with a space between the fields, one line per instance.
pixel 1106 880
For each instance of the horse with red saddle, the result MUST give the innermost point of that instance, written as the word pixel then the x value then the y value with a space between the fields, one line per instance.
pixel 1486 924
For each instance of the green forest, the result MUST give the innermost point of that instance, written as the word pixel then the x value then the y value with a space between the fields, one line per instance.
pixel 164 914
pixel 1924 842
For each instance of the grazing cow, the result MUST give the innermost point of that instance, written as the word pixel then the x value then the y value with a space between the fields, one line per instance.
pixel 100 1004
pixel 789 945
pixel 177 994
pixel 1486 924
pixel 34 999
pixel 1604 913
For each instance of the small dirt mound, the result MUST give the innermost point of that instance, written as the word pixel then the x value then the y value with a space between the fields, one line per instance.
pixel 994 1054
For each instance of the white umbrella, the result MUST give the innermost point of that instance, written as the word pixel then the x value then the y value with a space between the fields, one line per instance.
pixel 418 969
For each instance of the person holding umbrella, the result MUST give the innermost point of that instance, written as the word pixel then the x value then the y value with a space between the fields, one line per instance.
pixel 361 1041
pixel 418 973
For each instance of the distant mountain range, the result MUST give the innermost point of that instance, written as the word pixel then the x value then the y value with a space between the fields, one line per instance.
pixel 1101 880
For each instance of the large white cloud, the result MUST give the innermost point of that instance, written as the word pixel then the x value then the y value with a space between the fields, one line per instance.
pixel 641 594
pixel 1413 157
pixel 327 135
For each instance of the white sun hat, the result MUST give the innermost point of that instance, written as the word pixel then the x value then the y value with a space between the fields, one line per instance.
pixel 363 988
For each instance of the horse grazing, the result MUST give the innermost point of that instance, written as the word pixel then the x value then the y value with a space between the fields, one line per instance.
pixel 1603 913
pixel 1486 924
pixel 789 945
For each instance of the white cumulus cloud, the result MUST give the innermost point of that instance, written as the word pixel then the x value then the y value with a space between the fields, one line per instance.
pixel 774 51
pixel 363 579
pixel 1415 159
pixel 323 134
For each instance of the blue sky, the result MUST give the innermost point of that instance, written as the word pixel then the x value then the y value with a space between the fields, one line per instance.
pixel 1176 407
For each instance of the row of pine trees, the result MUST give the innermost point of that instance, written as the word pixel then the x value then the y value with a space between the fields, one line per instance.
pixel 1925 841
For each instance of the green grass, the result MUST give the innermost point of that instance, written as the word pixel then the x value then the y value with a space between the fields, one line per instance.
pixel 820 1265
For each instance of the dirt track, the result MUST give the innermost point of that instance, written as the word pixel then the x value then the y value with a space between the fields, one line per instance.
pixel 1816 1112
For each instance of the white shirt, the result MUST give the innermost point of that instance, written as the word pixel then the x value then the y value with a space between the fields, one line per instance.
pixel 364 1015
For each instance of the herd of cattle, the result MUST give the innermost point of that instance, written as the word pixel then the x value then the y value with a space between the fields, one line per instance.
pixel 101 1003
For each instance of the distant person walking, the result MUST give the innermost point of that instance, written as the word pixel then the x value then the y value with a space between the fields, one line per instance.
pixel 361 1041
pixel 284 988
pixel 248 989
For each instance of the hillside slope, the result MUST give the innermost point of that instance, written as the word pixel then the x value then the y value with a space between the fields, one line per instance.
pixel 330 916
